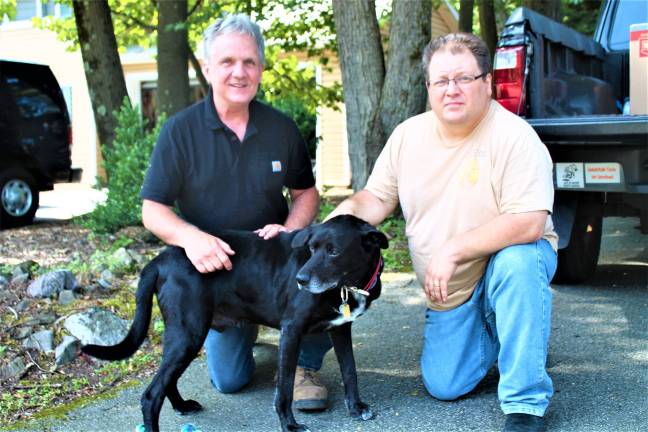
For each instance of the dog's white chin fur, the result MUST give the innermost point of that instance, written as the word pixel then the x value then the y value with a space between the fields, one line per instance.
pixel 318 287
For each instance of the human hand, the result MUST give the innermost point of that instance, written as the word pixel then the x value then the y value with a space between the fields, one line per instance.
pixel 271 230
pixel 438 273
pixel 206 252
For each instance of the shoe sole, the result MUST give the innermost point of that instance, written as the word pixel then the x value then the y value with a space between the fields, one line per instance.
pixel 310 405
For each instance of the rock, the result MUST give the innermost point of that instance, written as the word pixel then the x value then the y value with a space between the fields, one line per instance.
pixel 106 279
pixel 4 294
pixel 23 305
pixel 52 283
pixel 22 332
pixel 122 259
pixel 3 281
pixel 19 279
pixel 97 326
pixel 24 268
pixel 67 350
pixel 42 340
pixel 66 297
pixel 13 369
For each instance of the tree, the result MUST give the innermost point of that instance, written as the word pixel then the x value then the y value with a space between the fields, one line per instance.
pixel 173 56
pixel 549 8
pixel 377 98
pixel 487 24
pixel 101 63
pixel 466 15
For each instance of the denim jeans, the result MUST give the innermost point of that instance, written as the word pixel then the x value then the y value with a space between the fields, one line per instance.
pixel 508 320
pixel 231 363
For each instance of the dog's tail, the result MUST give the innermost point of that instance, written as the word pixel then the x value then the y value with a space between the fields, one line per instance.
pixel 139 328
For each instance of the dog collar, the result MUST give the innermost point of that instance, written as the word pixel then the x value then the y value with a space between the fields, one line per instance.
pixel 374 279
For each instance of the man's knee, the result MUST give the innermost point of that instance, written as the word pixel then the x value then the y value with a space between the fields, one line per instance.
pixel 442 389
pixel 229 384
pixel 516 260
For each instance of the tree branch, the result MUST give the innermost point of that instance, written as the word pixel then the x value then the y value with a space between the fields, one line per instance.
pixel 136 21
pixel 204 85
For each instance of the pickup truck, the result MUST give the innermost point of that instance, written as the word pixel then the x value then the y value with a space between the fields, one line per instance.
pixel 35 139
pixel 572 90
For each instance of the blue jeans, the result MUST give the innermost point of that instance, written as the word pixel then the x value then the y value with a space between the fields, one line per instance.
pixel 231 363
pixel 508 320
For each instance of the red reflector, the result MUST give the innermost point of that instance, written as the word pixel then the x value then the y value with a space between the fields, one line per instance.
pixel 509 79
pixel 69 134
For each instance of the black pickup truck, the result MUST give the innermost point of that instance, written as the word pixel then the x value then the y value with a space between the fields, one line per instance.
pixel 572 90
pixel 35 139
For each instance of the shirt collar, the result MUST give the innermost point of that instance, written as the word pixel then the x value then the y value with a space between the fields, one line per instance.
pixel 213 121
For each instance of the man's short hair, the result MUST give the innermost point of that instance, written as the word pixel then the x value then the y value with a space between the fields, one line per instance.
pixel 457 43
pixel 233 23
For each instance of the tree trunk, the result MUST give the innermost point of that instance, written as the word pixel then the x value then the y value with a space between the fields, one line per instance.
pixel 173 57
pixel 377 100
pixel 363 73
pixel 488 25
pixel 549 8
pixel 101 63
pixel 466 15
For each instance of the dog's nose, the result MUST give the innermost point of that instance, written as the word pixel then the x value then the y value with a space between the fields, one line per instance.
pixel 302 280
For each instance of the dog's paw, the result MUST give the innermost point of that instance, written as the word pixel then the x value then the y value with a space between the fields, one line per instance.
pixel 361 411
pixel 187 407
pixel 296 427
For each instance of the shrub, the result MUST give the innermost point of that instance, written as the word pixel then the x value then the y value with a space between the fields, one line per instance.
pixel 125 165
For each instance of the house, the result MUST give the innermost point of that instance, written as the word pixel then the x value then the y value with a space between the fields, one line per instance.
pixel 20 41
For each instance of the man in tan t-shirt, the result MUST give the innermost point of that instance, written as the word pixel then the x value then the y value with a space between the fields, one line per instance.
pixel 475 185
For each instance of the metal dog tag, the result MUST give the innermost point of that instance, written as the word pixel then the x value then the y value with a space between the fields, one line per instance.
pixel 345 310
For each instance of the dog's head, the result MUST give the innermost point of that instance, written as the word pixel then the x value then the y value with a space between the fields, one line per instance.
pixel 343 251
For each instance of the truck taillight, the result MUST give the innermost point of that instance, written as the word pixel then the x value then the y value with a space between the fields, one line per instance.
pixel 69 136
pixel 509 78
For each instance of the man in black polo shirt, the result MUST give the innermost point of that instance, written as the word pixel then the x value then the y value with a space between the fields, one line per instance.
pixel 223 162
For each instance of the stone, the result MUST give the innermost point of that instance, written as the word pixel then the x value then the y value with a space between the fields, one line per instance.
pixel 97 326
pixel 106 279
pixel 52 283
pixel 66 297
pixel 22 332
pixel 13 369
pixel 3 281
pixel 41 340
pixel 67 350
pixel 122 258
pixel 23 305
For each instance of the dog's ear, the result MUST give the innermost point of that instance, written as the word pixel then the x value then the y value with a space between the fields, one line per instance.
pixel 301 238
pixel 374 238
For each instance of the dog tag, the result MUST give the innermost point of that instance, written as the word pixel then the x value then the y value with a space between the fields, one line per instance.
pixel 359 291
pixel 345 310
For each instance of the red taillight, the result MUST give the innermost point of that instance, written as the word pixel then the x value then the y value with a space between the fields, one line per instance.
pixel 509 79
pixel 69 136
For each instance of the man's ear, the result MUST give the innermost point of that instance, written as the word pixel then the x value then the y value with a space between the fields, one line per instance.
pixel 301 238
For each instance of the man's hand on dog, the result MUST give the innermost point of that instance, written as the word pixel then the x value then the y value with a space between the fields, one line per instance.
pixel 271 230
pixel 207 253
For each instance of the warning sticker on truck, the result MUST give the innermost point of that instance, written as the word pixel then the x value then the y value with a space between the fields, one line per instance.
pixel 570 175
pixel 609 172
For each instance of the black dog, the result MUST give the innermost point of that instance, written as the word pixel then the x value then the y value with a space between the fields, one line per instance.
pixel 319 278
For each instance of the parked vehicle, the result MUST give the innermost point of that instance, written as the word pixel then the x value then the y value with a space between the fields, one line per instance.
pixel 572 90
pixel 35 140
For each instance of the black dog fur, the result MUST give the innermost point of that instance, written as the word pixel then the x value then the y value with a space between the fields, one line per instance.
pixel 291 282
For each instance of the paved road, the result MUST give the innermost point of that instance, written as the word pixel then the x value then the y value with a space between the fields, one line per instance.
pixel 598 361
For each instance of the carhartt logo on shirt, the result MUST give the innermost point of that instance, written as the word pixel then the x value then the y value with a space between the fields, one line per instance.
pixel 276 166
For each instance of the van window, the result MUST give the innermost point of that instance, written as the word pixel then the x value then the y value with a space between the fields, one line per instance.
pixel 31 101
pixel 632 12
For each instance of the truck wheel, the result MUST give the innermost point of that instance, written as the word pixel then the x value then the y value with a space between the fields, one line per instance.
pixel 18 198
pixel 578 260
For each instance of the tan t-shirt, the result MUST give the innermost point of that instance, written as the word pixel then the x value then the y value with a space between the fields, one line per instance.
pixel 501 167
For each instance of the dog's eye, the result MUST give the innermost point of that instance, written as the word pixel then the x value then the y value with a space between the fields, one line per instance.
pixel 331 251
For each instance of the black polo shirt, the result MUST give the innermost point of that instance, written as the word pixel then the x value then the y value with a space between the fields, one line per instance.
pixel 219 183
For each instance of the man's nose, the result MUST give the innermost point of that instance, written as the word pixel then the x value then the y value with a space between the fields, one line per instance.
pixel 238 69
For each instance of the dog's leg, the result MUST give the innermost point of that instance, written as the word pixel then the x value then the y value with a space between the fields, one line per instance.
pixel 341 338
pixel 181 345
pixel 289 342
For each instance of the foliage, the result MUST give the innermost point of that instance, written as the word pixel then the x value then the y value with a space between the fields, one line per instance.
pixel 125 164
pixel 8 7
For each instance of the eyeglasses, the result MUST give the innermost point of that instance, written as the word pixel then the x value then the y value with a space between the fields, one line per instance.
pixel 462 80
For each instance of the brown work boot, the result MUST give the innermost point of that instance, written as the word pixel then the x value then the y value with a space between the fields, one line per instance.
pixel 309 394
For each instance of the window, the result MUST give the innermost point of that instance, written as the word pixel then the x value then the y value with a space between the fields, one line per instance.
pixel 632 12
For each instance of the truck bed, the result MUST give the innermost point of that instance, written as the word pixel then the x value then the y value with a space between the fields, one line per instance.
pixel 593 129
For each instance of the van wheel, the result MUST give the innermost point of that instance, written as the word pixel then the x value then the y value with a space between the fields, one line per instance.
pixel 577 262
pixel 18 198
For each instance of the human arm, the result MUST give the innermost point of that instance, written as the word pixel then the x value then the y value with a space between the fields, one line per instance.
pixel 504 230
pixel 206 252
pixel 364 205
pixel 305 204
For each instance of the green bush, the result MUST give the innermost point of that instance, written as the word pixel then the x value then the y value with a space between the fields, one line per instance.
pixel 125 165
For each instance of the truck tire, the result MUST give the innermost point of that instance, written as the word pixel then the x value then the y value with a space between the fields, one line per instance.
pixel 578 260
pixel 18 198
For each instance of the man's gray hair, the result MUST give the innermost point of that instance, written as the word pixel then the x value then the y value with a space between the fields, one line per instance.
pixel 457 43
pixel 233 23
